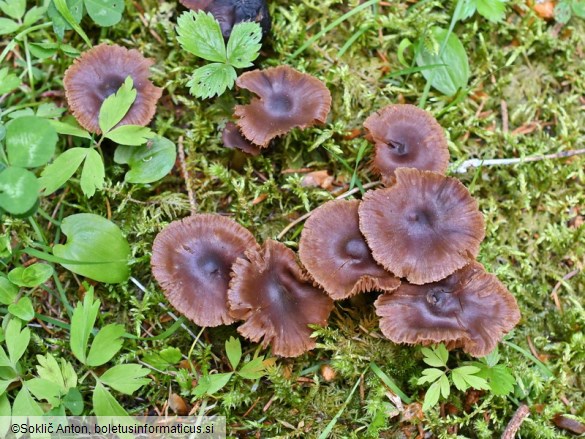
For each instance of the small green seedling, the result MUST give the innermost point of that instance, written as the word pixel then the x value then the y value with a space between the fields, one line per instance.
pixel 30 277
pixel 252 370
pixel 462 377
pixel 200 34
pixel 20 18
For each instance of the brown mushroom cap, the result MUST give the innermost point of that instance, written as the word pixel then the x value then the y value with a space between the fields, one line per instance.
pixel 98 73
pixel 470 309
pixel 277 300
pixel 288 99
pixel 406 136
pixel 192 260
pixel 233 139
pixel 335 253
pixel 424 227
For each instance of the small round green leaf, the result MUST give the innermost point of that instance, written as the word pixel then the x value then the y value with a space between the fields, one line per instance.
pixel 148 163
pixel 30 142
pixel 31 276
pixel 98 246
pixel 105 12
pixel 19 190
pixel 8 291
pixel 23 309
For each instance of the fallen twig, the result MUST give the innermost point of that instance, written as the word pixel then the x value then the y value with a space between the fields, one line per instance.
pixel 476 163
pixel 521 413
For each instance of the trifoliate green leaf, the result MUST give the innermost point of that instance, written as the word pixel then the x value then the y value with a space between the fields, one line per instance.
pixel 465 376
pixel 211 80
pixel 200 34
pixel 244 44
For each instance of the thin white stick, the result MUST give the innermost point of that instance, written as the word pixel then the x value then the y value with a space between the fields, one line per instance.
pixel 476 163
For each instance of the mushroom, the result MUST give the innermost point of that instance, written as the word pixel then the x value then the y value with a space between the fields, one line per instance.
pixel 288 99
pixel 101 71
pixel 192 260
pixel 336 255
pixel 231 12
pixel 406 136
pixel 233 139
pixel 424 227
pixel 277 300
pixel 471 309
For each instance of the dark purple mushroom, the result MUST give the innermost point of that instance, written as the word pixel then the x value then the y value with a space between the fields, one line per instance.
pixel 424 227
pixel 287 99
pixel 471 309
pixel 277 300
pixel 406 137
pixel 336 255
pixel 192 260
pixel 233 139
pixel 100 72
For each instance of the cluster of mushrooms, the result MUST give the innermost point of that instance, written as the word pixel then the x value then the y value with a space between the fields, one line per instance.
pixel 415 240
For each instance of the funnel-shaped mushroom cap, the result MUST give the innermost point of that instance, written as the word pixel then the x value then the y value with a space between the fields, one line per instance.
pixel 232 138
pixel 424 227
pixel 277 300
pixel 288 99
pixel 100 72
pixel 192 260
pixel 406 137
pixel 335 253
pixel 470 309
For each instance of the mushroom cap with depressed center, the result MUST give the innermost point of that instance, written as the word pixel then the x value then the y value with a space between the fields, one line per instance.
pixel 336 255
pixel 277 300
pixel 233 139
pixel 100 72
pixel 287 99
pixel 192 260
pixel 424 227
pixel 471 309
pixel 406 136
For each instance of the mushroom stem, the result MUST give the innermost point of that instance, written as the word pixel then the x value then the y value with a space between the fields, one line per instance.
pixel 476 163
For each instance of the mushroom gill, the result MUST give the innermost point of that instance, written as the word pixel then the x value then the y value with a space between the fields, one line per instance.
pixel 471 309
pixel 277 300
